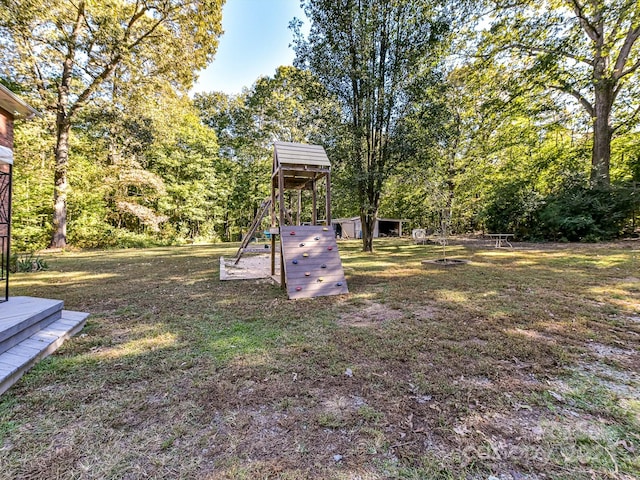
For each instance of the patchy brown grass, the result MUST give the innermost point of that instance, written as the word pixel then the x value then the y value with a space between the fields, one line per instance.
pixel 521 365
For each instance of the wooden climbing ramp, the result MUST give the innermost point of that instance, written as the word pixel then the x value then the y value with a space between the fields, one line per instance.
pixel 312 264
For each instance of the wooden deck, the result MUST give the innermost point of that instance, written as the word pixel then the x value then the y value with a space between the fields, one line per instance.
pixel 30 330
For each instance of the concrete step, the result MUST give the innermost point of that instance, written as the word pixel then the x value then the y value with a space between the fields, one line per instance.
pixel 15 361
pixel 21 317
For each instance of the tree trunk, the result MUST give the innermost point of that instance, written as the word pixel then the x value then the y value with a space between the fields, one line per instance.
pixel 226 233
pixel 368 220
pixel 63 128
pixel 59 236
pixel 602 132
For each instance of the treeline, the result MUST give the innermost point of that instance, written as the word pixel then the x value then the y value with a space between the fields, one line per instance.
pixel 153 169
pixel 481 129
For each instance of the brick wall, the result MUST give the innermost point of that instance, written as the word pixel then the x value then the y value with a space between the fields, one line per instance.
pixel 6 129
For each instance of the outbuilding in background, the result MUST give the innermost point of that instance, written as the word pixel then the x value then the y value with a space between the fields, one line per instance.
pixel 349 228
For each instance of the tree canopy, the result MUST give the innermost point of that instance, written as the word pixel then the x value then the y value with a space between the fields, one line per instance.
pixel 587 50
pixel 72 52
pixel 495 116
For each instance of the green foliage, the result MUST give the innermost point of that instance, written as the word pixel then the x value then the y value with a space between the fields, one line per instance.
pixel 143 177
pixel 32 186
pixel 579 213
pixel 139 42
pixel 372 57
pixel 25 263
pixel 585 51
pixel 484 142
pixel 185 161
pixel 511 208
pixel 290 106
pixel 86 51
pixel 626 150
pixel 573 212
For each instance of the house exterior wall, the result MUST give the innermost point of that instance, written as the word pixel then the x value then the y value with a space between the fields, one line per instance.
pixel 5 207
pixel 6 129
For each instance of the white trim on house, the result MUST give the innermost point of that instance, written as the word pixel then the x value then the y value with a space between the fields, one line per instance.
pixel 14 105
pixel 6 155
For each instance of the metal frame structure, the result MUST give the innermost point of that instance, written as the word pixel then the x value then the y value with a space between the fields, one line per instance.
pixel 6 174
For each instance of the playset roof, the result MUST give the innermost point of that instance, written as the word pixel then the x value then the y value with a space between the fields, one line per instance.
pixel 288 153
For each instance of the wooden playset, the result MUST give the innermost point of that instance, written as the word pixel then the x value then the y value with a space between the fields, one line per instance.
pixel 310 264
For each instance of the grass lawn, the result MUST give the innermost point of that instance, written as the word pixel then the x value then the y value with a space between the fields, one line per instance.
pixel 522 364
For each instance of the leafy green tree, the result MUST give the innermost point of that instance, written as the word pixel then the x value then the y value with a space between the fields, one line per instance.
pixel 32 187
pixel 462 135
pixel 69 51
pixel 186 159
pixel 371 55
pixel 113 135
pixel 245 156
pixel 587 50
pixel 627 149
pixel 290 106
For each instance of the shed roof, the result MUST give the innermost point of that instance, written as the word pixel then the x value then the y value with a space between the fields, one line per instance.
pixel 14 105
pixel 288 153
pixel 357 219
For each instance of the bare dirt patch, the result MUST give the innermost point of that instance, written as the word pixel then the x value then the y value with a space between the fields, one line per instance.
pixel 609 352
pixel 425 312
pixel 370 314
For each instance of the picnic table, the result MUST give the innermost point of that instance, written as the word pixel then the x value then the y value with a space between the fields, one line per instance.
pixel 501 238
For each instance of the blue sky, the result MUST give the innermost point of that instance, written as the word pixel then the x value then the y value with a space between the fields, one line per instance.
pixel 255 42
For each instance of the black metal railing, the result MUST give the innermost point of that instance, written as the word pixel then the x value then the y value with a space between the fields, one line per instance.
pixel 5 229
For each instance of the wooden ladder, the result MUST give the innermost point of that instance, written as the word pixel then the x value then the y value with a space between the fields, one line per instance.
pixel 262 211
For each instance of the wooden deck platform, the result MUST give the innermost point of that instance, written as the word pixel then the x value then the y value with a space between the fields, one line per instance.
pixel 30 330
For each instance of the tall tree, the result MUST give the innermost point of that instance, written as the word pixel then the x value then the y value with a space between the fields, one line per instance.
pixel 69 51
pixel 587 49
pixel 244 149
pixel 370 54
pixel 291 106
